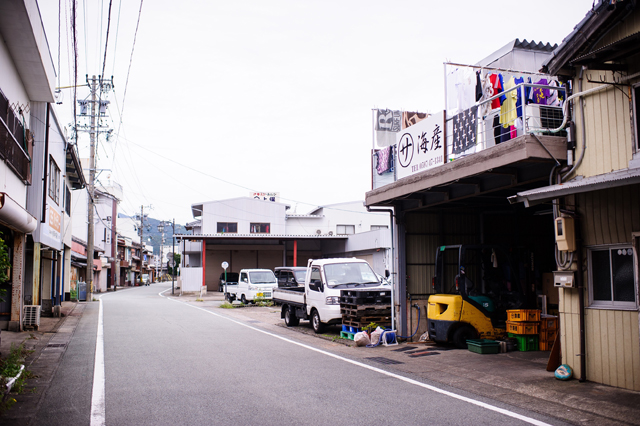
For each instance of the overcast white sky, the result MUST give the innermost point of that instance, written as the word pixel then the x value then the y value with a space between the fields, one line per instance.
pixel 227 97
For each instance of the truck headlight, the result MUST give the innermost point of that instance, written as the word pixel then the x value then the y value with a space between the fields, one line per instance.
pixel 332 300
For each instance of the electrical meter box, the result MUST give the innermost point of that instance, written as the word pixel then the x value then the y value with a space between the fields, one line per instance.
pixel 564 279
pixel 565 234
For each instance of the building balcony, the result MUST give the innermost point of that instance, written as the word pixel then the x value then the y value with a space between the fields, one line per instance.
pixel 439 140
pixel 15 146
pixel 477 155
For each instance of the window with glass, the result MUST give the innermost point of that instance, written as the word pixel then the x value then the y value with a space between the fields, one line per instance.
pixel 611 276
pixel 54 180
pixel 315 279
pixel 376 227
pixel 259 228
pixel 67 200
pixel 345 229
pixel 227 227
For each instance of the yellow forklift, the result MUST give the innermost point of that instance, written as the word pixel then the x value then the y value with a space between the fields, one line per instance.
pixel 474 286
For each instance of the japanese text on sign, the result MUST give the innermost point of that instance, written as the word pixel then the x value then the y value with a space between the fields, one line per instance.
pixel 421 146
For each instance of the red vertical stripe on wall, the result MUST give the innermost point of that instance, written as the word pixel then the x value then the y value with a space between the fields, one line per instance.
pixel 295 252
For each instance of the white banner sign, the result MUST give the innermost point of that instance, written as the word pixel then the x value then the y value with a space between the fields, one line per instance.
pixel 421 146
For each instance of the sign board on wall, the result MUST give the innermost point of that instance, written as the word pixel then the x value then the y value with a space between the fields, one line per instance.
pixel 54 223
pixel 266 196
pixel 421 146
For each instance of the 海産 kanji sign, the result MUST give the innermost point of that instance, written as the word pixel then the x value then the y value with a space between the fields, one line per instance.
pixel 421 146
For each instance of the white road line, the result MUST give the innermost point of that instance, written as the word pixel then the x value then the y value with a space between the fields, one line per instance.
pixel 97 394
pixel 378 370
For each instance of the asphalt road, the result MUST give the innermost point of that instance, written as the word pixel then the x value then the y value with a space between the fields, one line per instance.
pixel 171 363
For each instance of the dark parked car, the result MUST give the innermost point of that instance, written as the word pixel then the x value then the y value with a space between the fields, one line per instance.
pixel 290 276
pixel 232 278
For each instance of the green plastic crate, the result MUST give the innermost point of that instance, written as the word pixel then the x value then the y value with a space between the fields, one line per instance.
pixel 526 342
pixel 482 346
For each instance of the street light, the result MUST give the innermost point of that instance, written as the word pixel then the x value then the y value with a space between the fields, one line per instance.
pixel 172 262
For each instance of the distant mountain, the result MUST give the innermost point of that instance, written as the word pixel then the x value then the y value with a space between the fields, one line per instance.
pixel 152 236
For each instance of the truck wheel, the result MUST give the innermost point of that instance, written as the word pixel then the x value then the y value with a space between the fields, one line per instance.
pixel 461 335
pixel 244 300
pixel 317 325
pixel 290 318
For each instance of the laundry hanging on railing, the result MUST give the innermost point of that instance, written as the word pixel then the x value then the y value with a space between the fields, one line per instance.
pixel 464 130
pixel 388 123
pixel 385 160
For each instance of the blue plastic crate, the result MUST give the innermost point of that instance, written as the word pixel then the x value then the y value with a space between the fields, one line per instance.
pixel 346 328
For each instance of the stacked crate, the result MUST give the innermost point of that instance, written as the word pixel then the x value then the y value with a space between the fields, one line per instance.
pixel 548 331
pixel 524 326
pixel 359 308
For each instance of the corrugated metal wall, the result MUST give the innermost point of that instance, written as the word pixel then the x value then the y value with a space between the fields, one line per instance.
pixel 612 336
pixel 425 233
pixel 607 126
pixel 630 25
pixel 608 112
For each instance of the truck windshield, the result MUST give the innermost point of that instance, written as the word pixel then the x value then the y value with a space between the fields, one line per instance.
pixel 350 274
pixel 262 277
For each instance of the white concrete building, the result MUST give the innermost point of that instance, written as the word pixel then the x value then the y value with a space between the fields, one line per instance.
pixel 105 228
pixel 252 233
pixel 38 170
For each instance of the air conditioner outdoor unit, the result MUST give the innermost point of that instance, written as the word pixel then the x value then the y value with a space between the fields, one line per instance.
pixel 540 118
pixel 31 316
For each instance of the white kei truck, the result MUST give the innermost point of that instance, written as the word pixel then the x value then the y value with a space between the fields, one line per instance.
pixel 319 299
pixel 252 284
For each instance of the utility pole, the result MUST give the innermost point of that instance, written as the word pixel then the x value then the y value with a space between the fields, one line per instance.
pixel 142 218
pixel 94 128
pixel 92 176
pixel 172 262
pixel 173 270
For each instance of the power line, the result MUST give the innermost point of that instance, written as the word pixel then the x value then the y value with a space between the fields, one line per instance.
pixel 75 67
pixel 106 43
pixel 126 84
pixel 115 45
pixel 86 43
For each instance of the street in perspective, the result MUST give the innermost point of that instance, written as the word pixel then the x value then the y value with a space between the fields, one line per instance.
pixel 277 212
pixel 243 365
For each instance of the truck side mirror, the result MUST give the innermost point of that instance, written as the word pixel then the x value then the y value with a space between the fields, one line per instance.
pixel 246 280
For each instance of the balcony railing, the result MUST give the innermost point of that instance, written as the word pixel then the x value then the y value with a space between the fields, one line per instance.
pixel 506 121
pixel 482 127
pixel 13 146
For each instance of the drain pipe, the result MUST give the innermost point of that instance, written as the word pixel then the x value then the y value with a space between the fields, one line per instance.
pixel 580 284
pixel 582 127
pixel 393 259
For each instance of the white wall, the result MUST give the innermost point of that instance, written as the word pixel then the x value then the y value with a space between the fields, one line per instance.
pixel 12 87
pixel 47 233
pixel 352 213
pixel 10 81
pixel 244 211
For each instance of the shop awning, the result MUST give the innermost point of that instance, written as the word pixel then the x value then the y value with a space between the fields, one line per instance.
pixel 15 216
pixel 604 181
